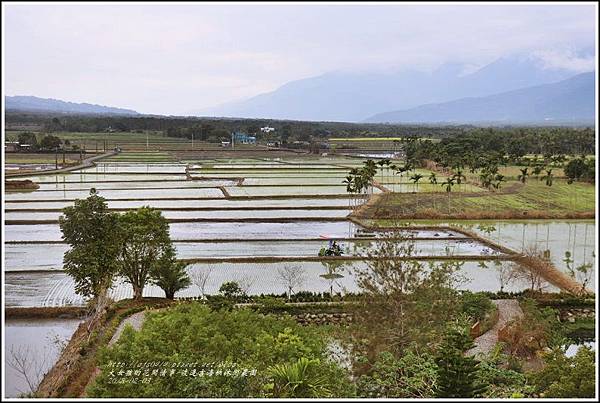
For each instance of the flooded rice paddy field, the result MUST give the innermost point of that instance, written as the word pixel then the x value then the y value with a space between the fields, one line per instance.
pixel 216 214
pixel 298 186
pixel 38 257
pixel 148 193
pixel 39 340
pixel 224 230
pixel 29 289
pixel 198 203
pixel 76 176
pixel 182 183
pixel 578 237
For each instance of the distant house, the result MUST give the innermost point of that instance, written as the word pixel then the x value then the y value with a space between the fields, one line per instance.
pixel 225 143
pixel 267 129
pixel 243 138
pixel 11 146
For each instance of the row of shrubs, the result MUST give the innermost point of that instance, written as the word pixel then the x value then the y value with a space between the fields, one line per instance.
pixel 545 299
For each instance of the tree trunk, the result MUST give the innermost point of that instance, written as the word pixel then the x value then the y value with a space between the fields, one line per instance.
pixel 137 292
pixel 169 295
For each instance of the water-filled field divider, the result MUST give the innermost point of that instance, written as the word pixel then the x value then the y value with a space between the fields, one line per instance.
pixel 230 240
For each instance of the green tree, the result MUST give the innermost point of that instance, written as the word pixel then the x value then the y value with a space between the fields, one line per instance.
pixel 575 169
pixel 92 233
pixel 399 296
pixel 413 375
pixel 169 274
pixel 566 377
pixel 28 138
pixel 231 290
pixel 145 241
pixel 193 337
pixel 50 142
pixel 457 373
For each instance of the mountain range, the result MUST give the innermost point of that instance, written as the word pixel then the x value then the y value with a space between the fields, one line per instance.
pixel 354 97
pixel 516 89
pixel 35 104
pixel 567 101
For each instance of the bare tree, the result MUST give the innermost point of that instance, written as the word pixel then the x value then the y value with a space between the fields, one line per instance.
pixel 532 273
pixel 246 282
pixel 200 278
pixel 531 277
pixel 29 364
pixel 505 274
pixel 291 276
pixel 57 340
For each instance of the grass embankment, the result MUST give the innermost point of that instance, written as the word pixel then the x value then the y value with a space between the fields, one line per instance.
pixel 40 158
pixel 531 200
pixel 44 312
pixel 20 185
pixel 74 368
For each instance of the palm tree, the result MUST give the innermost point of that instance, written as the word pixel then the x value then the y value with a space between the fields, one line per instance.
pixel 459 176
pixel 381 164
pixel 548 180
pixel 524 174
pixel 537 170
pixel 415 179
pixel 349 181
pixel 400 172
pixel 448 184
pixel 499 179
pixel 393 167
pixel 433 181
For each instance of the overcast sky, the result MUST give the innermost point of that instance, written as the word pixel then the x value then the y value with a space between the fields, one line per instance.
pixel 172 59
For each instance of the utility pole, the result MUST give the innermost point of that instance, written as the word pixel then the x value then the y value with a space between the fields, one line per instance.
pixel 146 140
pixel 232 137
pixel 192 138
pixel 55 157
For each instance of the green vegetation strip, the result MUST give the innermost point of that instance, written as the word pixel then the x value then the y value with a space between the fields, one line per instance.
pixel 532 200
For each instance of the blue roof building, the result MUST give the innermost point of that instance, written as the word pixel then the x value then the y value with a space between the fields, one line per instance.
pixel 243 138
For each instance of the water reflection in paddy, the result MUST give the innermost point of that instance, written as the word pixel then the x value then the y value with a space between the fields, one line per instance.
pixel 19 257
pixel 57 289
pixel 38 339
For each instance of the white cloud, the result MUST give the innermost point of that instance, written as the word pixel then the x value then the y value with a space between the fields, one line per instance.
pixel 176 58
pixel 568 60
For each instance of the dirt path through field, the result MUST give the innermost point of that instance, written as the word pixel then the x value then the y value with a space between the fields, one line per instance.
pixel 508 310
